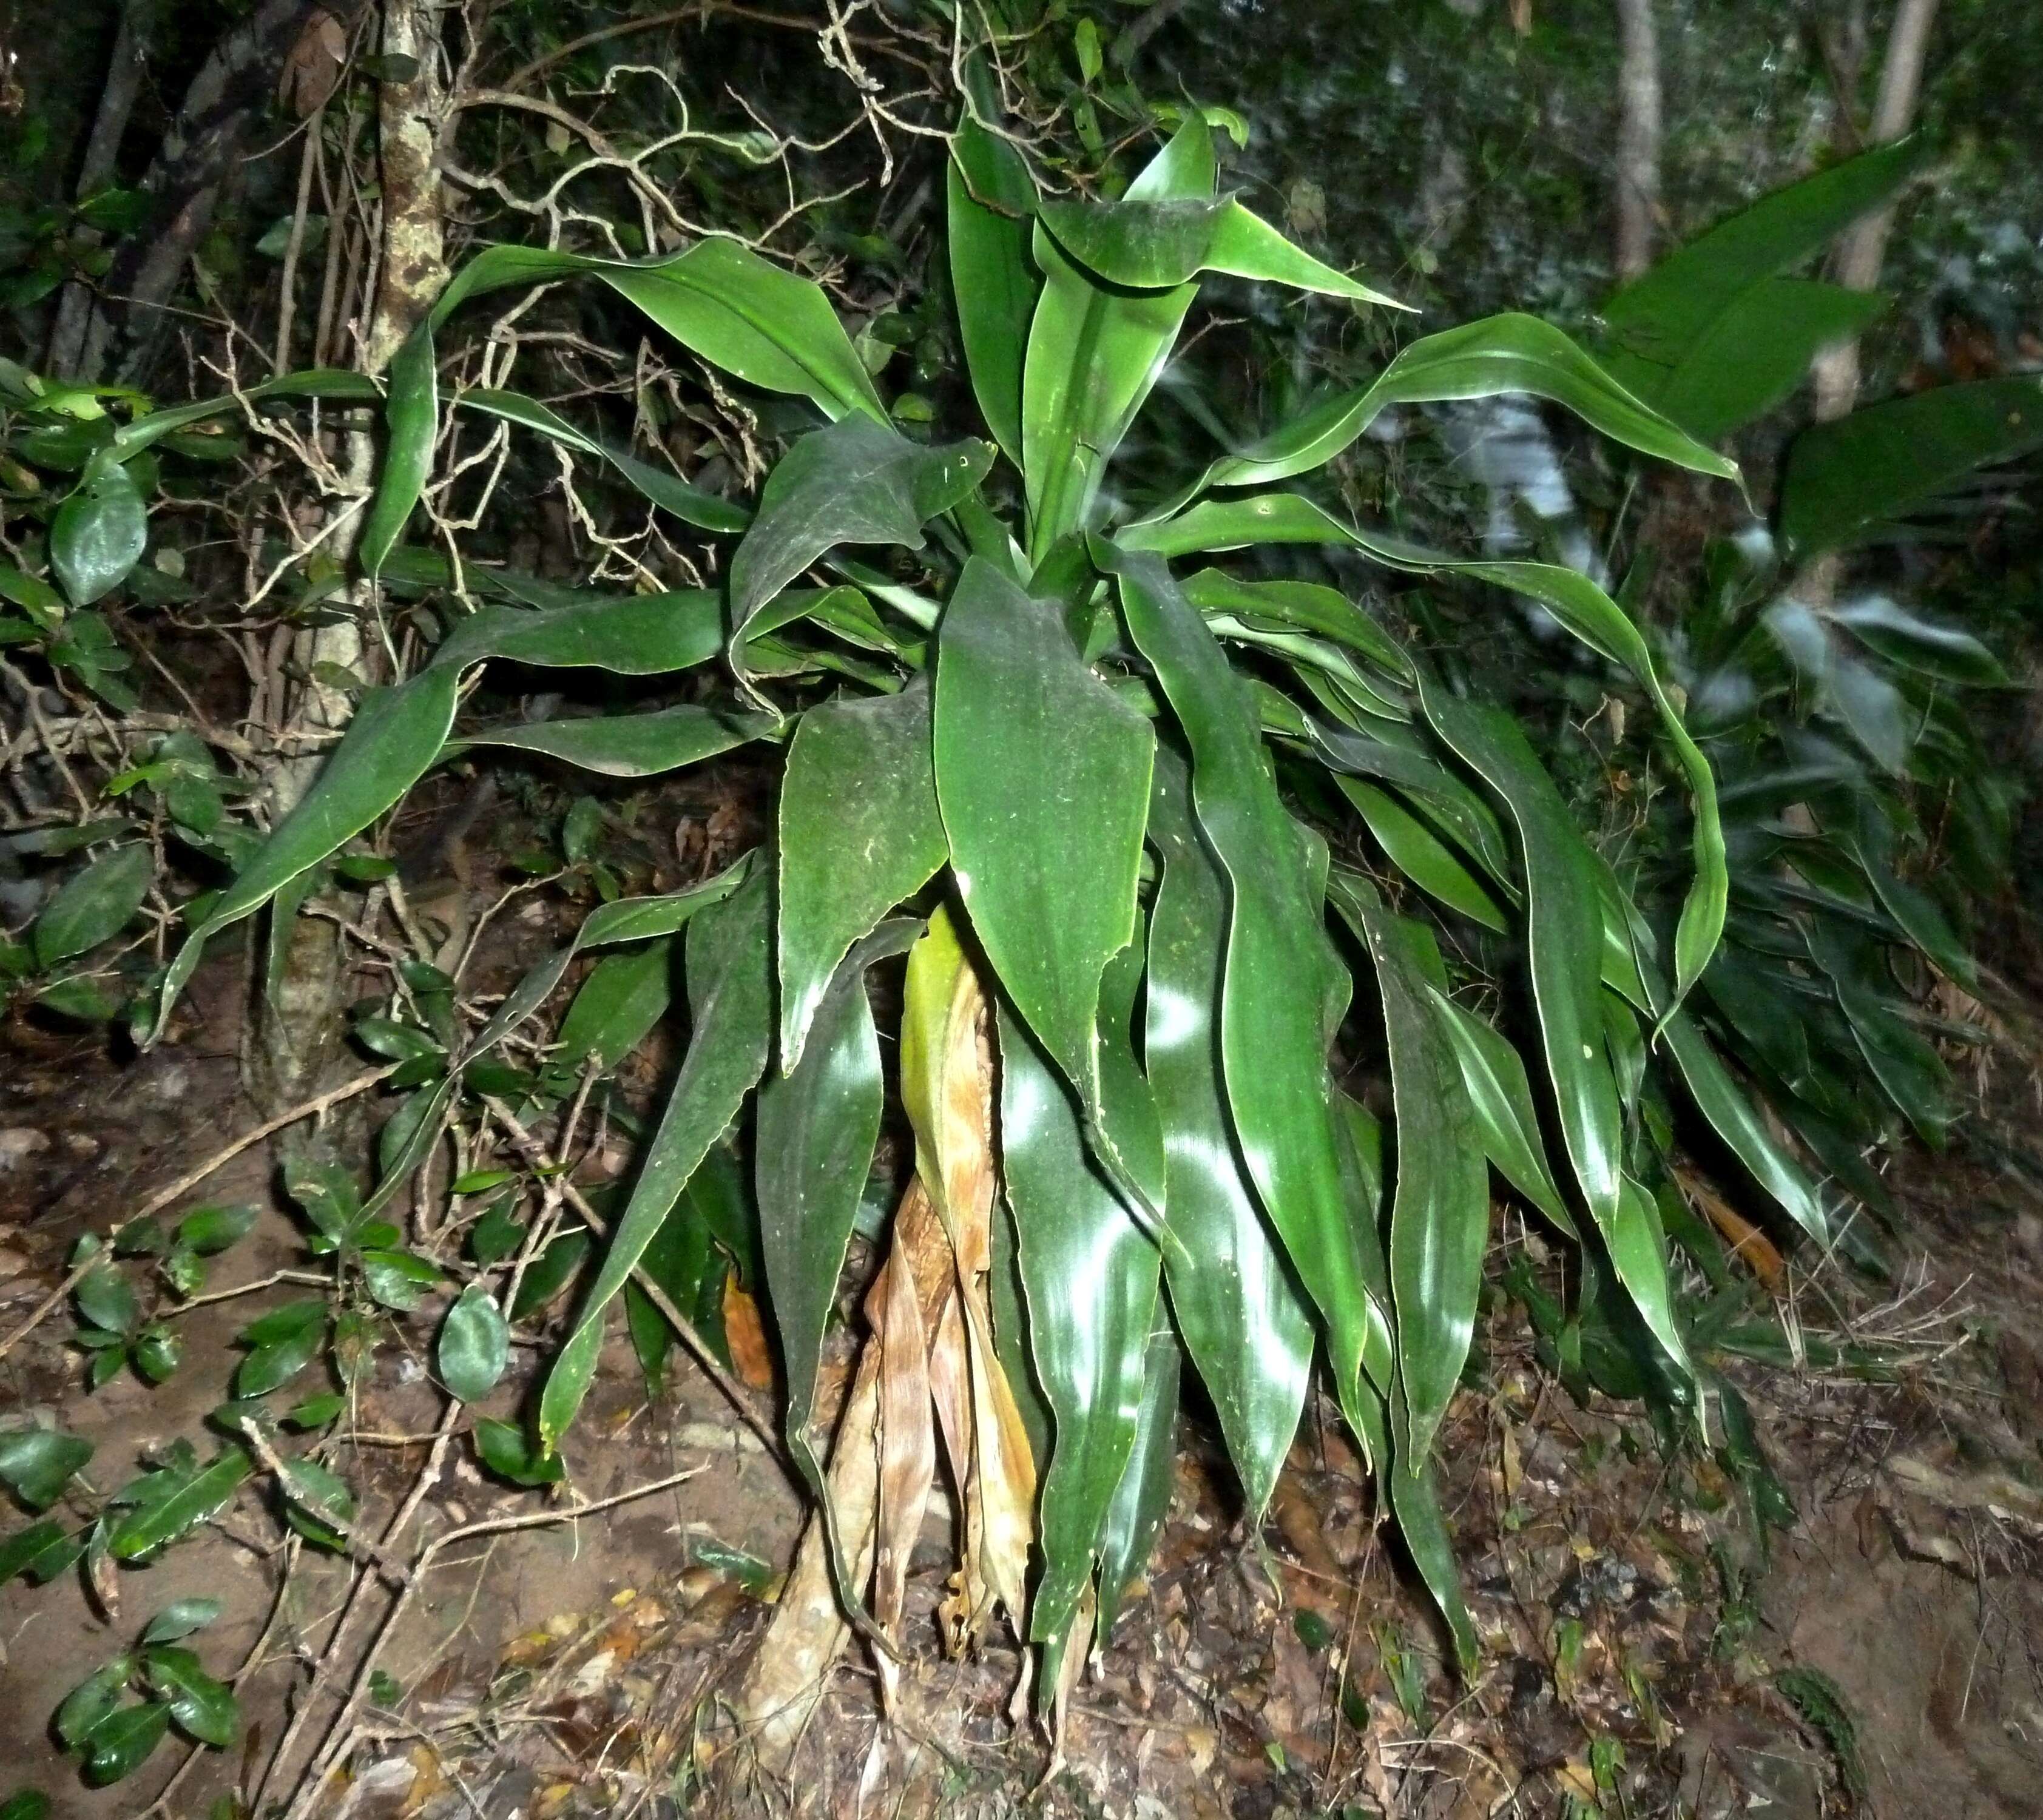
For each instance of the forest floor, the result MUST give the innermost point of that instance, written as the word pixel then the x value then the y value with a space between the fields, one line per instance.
pixel 1650 1648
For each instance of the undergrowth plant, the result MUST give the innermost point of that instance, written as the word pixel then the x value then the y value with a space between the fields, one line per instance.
pixel 1146 825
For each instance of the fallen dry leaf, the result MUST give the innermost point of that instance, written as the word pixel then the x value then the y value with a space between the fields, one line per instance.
pixel 745 1333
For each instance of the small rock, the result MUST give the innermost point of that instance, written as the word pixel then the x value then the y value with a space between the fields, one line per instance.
pixel 18 1143
pixel 80 1143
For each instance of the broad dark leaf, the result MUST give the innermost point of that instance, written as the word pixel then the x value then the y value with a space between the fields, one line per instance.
pixel 860 832
pixel 37 1464
pixel 856 482
pixel 1043 777
pixel 94 904
pixel 474 1345
pixel 99 533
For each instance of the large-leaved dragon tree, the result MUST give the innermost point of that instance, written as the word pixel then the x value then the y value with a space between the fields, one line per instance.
pixel 1089 770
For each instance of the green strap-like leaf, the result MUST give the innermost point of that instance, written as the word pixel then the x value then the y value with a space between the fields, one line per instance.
pixel 718 299
pixel 1094 353
pixel 1579 605
pixel 1285 989
pixel 1439 1214
pixel 1308 606
pixel 860 833
pixel 1494 1075
pixel 615 1007
pixel 992 202
pixel 1233 1296
pixel 1416 852
pixel 817 1125
pixel 1846 479
pixel 690 504
pixel 397 733
pixel 1090 1278
pixel 1143 1499
pixel 730 998
pixel 635 745
pixel 1486 360
pixel 1043 778
pixel 1158 244
pixel 856 482
pixel 628 919
pixel 1565 932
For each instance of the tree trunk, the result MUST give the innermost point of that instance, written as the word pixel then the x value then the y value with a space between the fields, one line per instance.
pixel 123 325
pixel 117 102
pixel 1863 249
pixel 1637 137
pixel 298 1031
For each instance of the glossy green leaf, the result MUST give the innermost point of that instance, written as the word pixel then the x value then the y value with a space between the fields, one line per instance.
pixel 632 746
pixel 1502 1097
pixel 503 1448
pixel 88 1705
pixel 1758 351
pixel 1658 318
pixel 398 732
pixel 1905 637
pixel 474 1345
pixel 205 1708
pixel 1309 605
pixel 94 904
pixel 992 200
pixel 1565 934
pixel 121 1742
pixel 1094 354
pixel 99 533
pixel 628 919
pixel 181 1619
pixel 35 1463
pixel 1146 243
pixel 1091 1278
pixel 730 1002
pixel 860 832
pixel 1043 778
pixel 1494 357
pixel 1846 479
pixel 1576 601
pixel 623 997
pixel 106 1298
pixel 1439 1213
pixel 1143 1499
pixel 195 1497
pixel 334 385
pixel 1284 990
pixel 816 1128
pixel 1242 1319
pixel 856 482
pixel 396 1280
pixel 1414 1502
pixel 1451 805
pixel 40 1550
pixel 704 511
pixel 719 298
pixel 210 1230
pixel 1416 852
